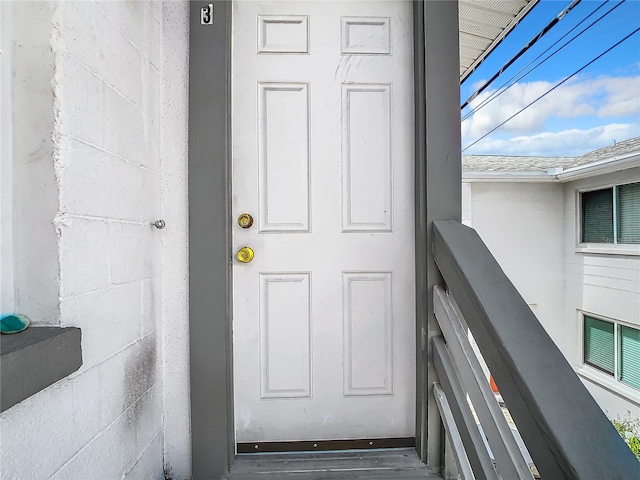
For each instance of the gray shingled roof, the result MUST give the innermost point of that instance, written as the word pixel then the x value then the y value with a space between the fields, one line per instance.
pixel 508 163
pixel 620 148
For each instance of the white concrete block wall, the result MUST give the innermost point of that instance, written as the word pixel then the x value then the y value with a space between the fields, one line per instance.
pixel 103 100
pixel 7 293
pixel 601 284
pixel 523 226
pixel 175 239
pixel 35 196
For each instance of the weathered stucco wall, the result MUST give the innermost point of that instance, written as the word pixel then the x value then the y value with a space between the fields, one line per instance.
pixel 86 140
pixel 602 284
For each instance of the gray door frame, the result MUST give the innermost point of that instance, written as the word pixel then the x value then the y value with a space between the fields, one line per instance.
pixel 437 195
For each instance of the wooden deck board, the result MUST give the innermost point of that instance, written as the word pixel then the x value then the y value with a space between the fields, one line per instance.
pixel 344 475
pixel 401 463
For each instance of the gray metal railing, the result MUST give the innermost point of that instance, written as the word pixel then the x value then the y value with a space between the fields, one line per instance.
pixel 565 431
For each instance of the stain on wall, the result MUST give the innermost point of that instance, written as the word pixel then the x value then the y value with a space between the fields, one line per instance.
pixel 140 371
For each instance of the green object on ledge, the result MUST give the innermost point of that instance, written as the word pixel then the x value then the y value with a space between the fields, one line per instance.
pixel 14 323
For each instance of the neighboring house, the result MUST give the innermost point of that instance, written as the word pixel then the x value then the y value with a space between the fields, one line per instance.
pixel 567 232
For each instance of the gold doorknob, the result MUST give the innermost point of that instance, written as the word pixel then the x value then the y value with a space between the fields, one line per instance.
pixel 245 220
pixel 245 255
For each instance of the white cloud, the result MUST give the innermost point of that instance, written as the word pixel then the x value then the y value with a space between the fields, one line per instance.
pixel 568 143
pixel 603 96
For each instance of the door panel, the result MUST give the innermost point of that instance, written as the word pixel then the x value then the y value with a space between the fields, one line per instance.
pixel 322 139
pixel 285 327
pixel 367 167
pixel 283 157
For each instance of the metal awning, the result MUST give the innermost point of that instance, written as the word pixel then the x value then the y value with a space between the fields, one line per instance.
pixel 483 25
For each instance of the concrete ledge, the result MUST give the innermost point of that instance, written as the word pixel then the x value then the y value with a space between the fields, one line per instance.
pixel 32 360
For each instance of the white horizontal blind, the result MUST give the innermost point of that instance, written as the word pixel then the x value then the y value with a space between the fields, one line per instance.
pixel 597 216
pixel 628 213
pixel 599 344
pixel 629 356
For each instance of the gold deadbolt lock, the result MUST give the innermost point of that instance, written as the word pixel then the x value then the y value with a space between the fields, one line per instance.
pixel 245 255
pixel 245 220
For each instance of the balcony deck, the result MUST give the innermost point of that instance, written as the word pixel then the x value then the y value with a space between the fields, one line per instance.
pixel 397 463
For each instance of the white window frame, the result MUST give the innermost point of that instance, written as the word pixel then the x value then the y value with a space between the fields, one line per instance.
pixel 7 287
pixel 603 379
pixel 603 248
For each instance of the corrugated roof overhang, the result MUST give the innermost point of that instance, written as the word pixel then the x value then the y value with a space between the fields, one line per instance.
pixel 483 25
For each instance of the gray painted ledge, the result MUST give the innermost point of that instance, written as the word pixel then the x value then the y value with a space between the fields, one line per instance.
pixel 32 360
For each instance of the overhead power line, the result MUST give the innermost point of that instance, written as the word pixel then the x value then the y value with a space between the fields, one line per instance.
pixel 552 89
pixel 531 42
pixel 511 82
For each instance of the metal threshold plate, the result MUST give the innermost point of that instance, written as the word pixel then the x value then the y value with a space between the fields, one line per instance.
pixel 324 445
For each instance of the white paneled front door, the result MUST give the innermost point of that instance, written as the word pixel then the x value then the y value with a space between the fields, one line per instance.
pixel 323 316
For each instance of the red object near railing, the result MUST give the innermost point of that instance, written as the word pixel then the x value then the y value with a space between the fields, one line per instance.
pixel 494 387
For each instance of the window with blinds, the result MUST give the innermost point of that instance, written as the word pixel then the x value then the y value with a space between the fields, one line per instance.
pixel 597 216
pixel 599 344
pixel 629 356
pixel 628 213
pixel 612 348
pixel 611 215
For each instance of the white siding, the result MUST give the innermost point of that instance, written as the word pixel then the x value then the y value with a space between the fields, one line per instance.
pixel 522 225
pixel 601 284
pixel 531 230
pixel 93 87
pixel 466 204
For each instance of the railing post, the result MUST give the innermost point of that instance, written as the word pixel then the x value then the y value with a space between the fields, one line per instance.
pixel 438 184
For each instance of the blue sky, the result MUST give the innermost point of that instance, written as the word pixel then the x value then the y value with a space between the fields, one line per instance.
pixel 598 106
